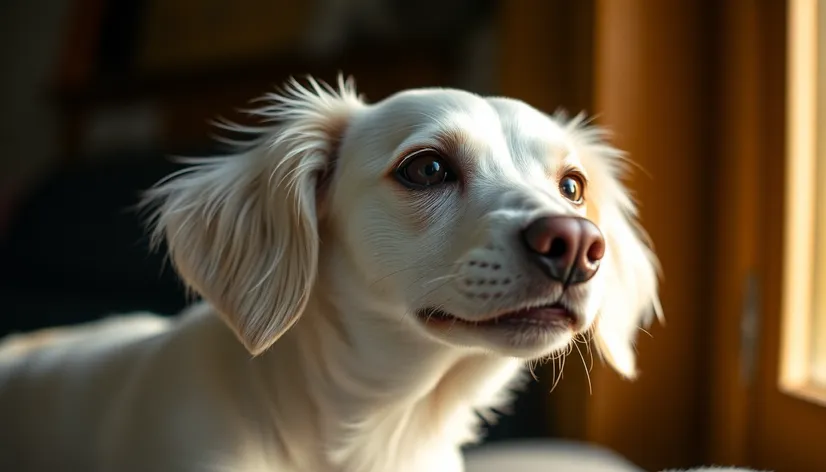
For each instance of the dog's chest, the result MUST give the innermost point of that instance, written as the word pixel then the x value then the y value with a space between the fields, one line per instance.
pixel 428 433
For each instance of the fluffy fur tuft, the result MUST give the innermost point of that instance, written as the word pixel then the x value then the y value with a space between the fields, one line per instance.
pixel 242 230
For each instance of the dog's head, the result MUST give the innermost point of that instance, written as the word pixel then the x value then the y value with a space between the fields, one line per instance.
pixel 492 225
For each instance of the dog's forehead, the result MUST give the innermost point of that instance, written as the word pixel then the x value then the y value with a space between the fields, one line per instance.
pixel 493 126
pixel 524 122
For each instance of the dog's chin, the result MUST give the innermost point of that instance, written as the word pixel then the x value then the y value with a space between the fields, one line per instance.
pixel 526 333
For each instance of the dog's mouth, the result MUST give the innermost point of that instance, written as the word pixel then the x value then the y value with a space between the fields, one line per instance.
pixel 553 315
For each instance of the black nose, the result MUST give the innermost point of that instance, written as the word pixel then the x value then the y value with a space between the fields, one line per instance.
pixel 568 249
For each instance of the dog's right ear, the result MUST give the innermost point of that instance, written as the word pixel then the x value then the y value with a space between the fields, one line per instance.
pixel 242 230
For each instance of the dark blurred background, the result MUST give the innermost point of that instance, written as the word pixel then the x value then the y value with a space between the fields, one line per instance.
pixel 96 94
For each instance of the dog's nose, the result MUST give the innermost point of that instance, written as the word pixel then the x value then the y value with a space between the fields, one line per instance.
pixel 568 249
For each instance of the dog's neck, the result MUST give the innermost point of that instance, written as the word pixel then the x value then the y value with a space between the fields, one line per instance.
pixel 383 395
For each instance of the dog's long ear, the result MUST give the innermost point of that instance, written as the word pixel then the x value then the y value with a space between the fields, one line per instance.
pixel 242 230
pixel 631 299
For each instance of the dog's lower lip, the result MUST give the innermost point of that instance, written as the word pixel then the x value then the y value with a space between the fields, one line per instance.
pixel 552 314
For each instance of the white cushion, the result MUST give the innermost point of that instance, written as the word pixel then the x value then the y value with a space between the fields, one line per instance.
pixel 548 455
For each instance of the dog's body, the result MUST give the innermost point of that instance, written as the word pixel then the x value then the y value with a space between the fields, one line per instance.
pixel 145 393
pixel 404 256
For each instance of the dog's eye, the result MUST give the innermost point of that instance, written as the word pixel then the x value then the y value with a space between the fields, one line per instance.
pixel 572 186
pixel 425 168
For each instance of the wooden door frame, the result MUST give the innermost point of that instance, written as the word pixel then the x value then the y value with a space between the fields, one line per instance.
pixel 744 76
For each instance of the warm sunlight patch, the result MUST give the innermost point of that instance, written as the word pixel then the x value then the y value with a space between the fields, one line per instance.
pixel 803 359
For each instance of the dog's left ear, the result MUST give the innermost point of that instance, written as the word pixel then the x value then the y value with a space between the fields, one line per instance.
pixel 631 268
pixel 242 230
pixel 631 300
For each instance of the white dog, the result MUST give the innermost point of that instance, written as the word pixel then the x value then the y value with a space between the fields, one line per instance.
pixel 388 269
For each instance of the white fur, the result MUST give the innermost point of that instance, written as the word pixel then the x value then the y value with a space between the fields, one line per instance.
pixel 317 260
pixel 712 469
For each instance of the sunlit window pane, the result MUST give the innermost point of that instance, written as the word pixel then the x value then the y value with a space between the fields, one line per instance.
pixel 803 356
pixel 818 333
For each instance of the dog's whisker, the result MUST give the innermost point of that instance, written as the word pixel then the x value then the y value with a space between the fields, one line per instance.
pixel 587 370
pixel 442 278
pixel 559 376
pixel 425 295
pixel 410 268
pixel 452 323
pixel 532 365
pixel 585 338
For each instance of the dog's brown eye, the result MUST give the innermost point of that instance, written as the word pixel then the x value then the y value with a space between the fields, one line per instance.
pixel 572 186
pixel 425 169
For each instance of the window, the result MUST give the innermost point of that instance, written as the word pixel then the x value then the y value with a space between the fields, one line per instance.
pixel 772 238
pixel 803 356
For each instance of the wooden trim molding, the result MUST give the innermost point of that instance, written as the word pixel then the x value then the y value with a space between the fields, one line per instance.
pixel 737 221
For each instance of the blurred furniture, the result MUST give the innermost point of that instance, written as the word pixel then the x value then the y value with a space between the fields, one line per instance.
pixel 119 63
